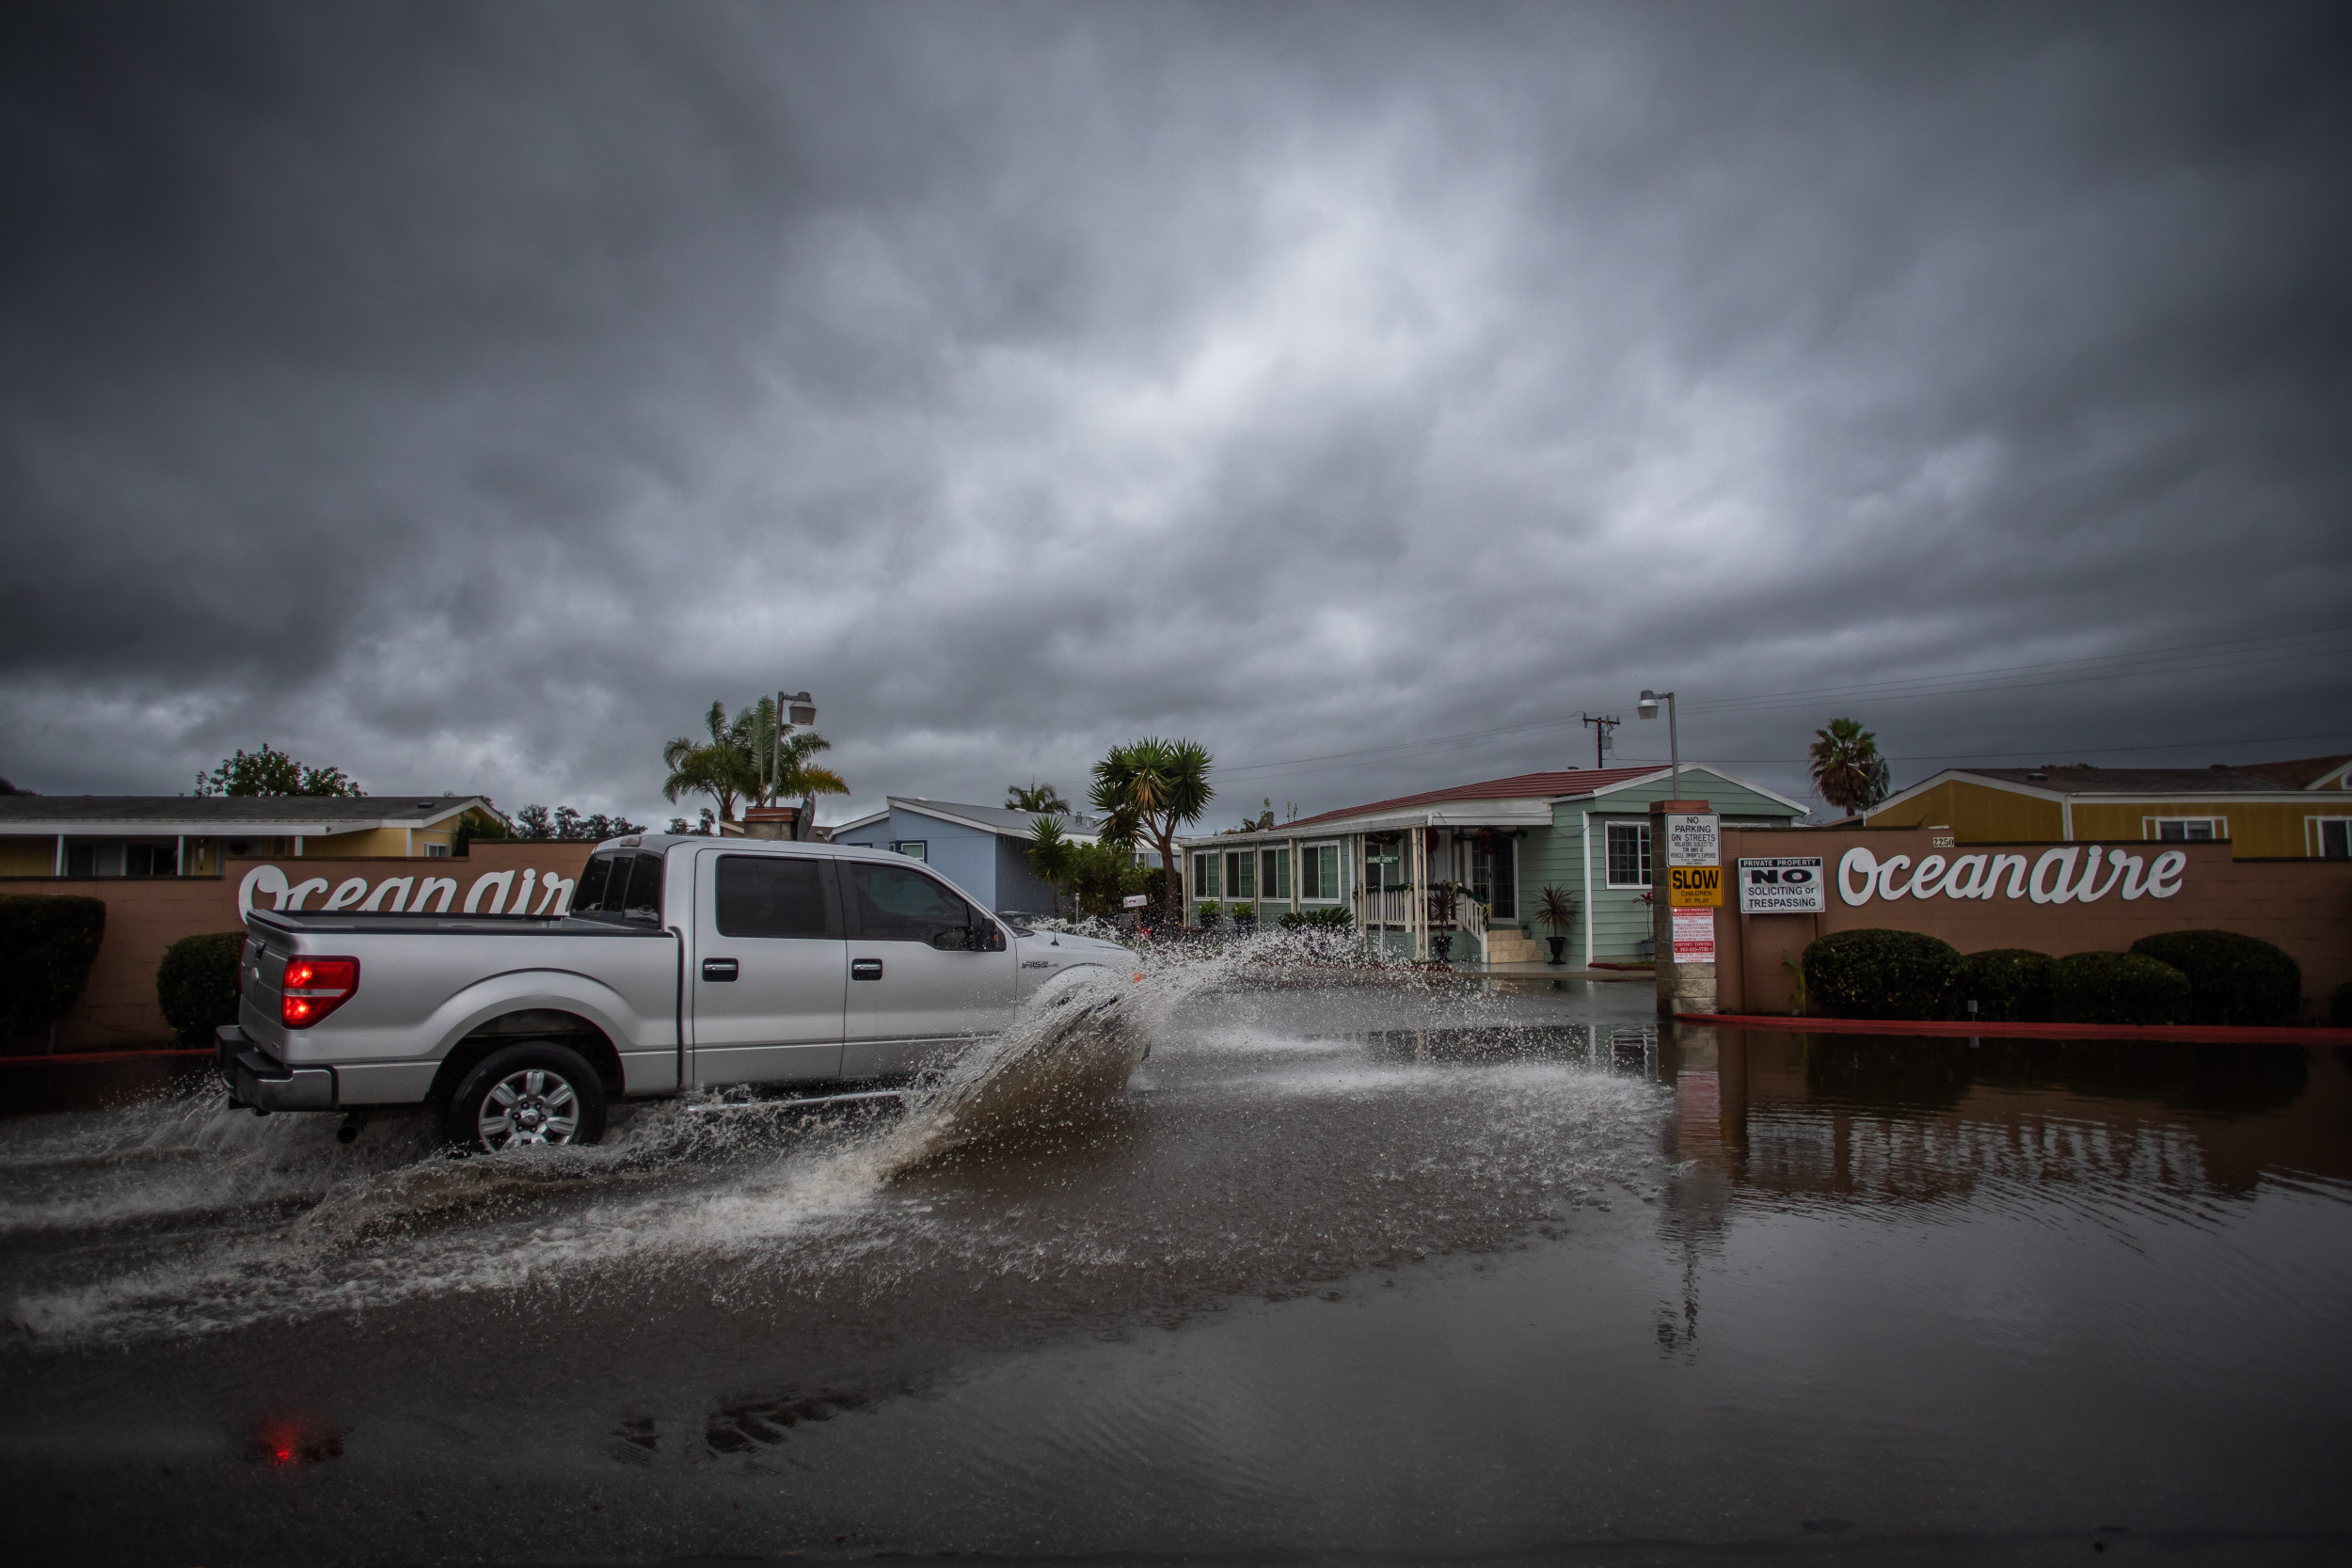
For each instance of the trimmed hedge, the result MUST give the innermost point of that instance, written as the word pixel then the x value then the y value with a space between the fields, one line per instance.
pixel 1879 974
pixel 2340 1008
pixel 2008 985
pixel 2118 987
pixel 47 945
pixel 197 984
pixel 1319 919
pixel 2233 978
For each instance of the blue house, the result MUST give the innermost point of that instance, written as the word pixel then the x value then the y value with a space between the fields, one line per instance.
pixel 1502 841
pixel 982 849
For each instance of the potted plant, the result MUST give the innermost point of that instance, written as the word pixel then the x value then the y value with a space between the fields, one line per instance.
pixel 1208 915
pixel 1444 898
pixel 1555 910
pixel 1244 919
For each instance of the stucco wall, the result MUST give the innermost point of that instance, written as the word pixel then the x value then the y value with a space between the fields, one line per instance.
pixel 146 914
pixel 2305 905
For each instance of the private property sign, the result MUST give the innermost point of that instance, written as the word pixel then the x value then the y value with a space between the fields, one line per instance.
pixel 1783 884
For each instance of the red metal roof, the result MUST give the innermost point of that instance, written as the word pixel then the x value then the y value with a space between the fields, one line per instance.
pixel 1519 787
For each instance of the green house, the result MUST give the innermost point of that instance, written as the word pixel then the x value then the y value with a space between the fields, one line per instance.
pixel 1583 831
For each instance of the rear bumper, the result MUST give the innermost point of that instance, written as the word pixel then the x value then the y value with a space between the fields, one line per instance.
pixel 256 1080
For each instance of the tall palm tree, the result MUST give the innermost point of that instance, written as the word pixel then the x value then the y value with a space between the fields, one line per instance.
pixel 1148 790
pixel 744 761
pixel 719 768
pixel 1847 768
pixel 1036 797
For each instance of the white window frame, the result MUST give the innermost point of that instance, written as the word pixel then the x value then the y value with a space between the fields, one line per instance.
pixel 1285 873
pixel 1608 870
pixel 1208 866
pixel 913 848
pixel 2315 833
pixel 1339 861
pixel 1243 861
pixel 2151 828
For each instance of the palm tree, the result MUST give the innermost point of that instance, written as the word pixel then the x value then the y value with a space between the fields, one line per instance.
pixel 719 768
pixel 1053 855
pixel 744 761
pixel 1036 797
pixel 1847 768
pixel 1148 790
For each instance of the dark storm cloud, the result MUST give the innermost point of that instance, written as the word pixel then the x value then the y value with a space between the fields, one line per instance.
pixel 466 395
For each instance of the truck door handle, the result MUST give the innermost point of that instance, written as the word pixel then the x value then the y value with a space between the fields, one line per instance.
pixel 865 969
pixel 719 969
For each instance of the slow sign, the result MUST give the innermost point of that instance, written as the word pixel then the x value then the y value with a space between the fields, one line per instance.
pixel 1695 887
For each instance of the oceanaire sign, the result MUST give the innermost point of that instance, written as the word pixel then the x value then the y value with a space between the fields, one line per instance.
pixel 2053 879
pixel 496 892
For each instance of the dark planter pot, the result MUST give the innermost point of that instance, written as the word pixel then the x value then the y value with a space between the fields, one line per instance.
pixel 1442 946
pixel 1245 924
pixel 1559 948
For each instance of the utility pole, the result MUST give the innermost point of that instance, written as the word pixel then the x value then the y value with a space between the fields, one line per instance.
pixel 1603 738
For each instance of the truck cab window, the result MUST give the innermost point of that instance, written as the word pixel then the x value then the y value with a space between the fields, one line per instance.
pixel 903 905
pixel 644 898
pixel 772 895
pixel 593 879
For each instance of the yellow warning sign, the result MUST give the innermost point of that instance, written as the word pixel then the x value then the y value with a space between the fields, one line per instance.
pixel 1695 887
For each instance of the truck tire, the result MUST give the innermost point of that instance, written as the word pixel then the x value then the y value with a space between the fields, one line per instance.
pixel 533 1093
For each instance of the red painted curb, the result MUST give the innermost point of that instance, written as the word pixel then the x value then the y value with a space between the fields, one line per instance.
pixel 62 1056
pixel 2210 1034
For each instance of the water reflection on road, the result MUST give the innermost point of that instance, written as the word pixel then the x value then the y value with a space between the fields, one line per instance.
pixel 1370 1266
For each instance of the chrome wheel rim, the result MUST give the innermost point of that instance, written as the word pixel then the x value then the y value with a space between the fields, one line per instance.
pixel 531 1105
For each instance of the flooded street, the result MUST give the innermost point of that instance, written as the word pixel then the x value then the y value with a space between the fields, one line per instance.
pixel 1377 1268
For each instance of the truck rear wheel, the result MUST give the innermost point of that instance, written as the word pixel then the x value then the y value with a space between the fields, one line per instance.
pixel 524 1094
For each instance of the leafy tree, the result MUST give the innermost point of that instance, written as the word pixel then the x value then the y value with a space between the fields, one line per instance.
pixel 1148 790
pixel 1036 797
pixel 269 771
pixel 1847 768
pixel 1052 854
pixel 566 825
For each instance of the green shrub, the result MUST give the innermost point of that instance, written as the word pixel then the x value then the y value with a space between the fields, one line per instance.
pixel 2008 985
pixel 1333 919
pixel 1879 974
pixel 2340 1008
pixel 2231 978
pixel 47 945
pixel 2118 987
pixel 196 983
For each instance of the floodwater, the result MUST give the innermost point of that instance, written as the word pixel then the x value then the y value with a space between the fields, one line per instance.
pixel 1375 1270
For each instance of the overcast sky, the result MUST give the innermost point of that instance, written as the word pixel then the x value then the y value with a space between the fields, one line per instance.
pixel 466 395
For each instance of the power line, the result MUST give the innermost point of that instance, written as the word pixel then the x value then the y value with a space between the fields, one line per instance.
pixel 2177 660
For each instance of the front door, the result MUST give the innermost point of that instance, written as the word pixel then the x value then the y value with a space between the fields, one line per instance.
pixel 920 984
pixel 769 969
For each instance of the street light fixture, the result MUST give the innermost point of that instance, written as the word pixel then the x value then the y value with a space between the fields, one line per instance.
pixel 1647 708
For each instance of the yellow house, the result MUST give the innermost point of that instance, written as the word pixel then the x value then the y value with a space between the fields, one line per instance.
pixel 2290 809
pixel 193 835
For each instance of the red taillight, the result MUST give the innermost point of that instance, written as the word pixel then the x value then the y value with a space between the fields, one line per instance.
pixel 314 988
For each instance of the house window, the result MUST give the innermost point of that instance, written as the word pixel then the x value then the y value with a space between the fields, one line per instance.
pixel 913 848
pixel 1629 854
pixel 1494 878
pixel 1204 875
pixel 2184 829
pixel 1241 873
pixel 2333 837
pixel 1274 872
pixel 437 852
pixel 1319 873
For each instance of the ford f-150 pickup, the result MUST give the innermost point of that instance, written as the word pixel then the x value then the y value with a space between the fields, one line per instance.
pixel 682 962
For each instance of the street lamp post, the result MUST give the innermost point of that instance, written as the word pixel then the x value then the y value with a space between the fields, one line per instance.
pixel 1647 708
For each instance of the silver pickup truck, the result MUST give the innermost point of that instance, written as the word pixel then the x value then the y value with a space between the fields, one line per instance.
pixel 680 963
